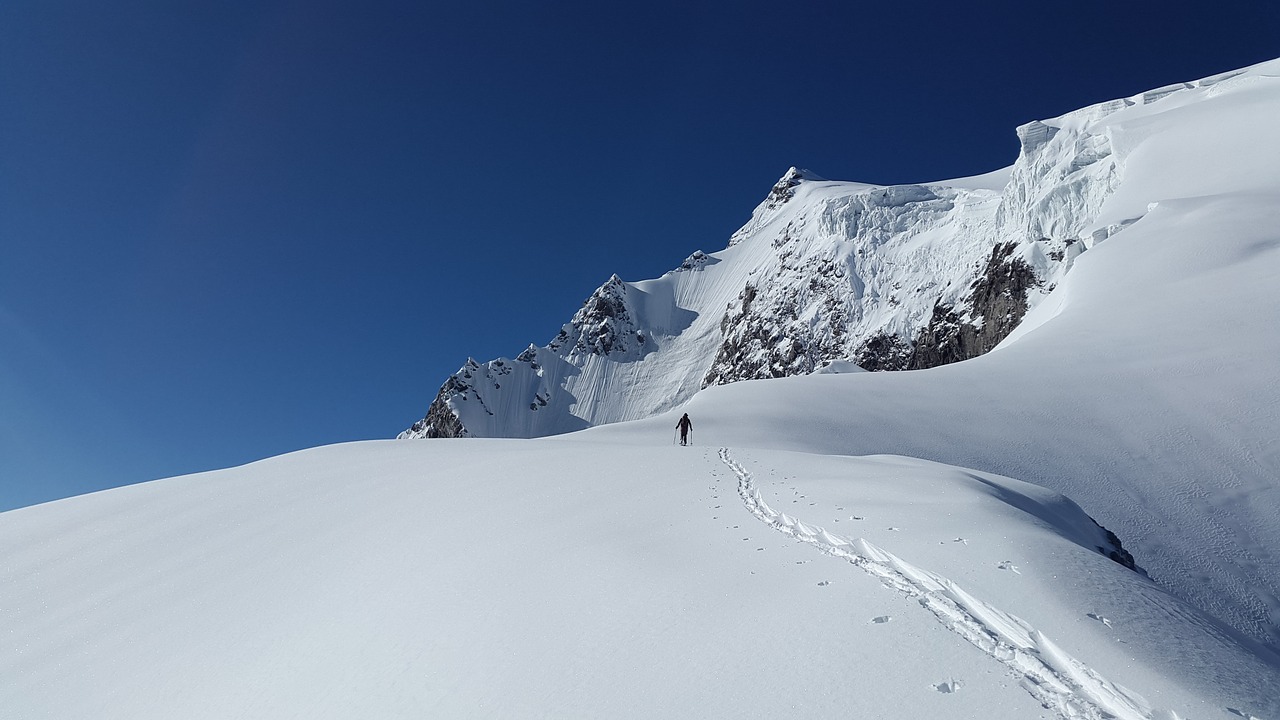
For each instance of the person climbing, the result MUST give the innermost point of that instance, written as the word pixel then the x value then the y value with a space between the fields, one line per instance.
pixel 685 426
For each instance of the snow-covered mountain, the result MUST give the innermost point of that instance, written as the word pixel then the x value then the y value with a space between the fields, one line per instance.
pixel 1082 523
pixel 890 278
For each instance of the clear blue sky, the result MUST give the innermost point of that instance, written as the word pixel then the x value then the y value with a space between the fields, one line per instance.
pixel 236 229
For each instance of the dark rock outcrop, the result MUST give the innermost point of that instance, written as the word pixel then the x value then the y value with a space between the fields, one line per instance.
pixel 441 421
pixel 604 325
pixel 998 300
pixel 784 189
pixel 697 261
pixel 883 352
pixel 772 341
pixel 1116 551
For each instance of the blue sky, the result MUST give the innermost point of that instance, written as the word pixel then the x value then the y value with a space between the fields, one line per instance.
pixel 236 229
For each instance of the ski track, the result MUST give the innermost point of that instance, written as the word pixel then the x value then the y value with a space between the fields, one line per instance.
pixel 1054 678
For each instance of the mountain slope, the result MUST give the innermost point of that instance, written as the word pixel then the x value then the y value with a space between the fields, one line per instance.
pixel 1141 384
pixel 1144 387
pixel 495 578
pixel 891 278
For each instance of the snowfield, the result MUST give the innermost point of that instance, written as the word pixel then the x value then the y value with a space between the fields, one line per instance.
pixel 507 578
pixel 837 544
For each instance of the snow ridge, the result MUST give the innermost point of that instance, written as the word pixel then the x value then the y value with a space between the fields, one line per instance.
pixel 1060 682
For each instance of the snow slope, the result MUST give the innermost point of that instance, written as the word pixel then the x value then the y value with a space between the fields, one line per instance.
pixel 505 578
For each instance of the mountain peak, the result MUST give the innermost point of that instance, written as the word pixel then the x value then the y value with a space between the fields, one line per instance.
pixel 796 174
pixel 784 189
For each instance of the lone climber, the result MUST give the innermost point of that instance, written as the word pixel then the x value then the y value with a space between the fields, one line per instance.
pixel 685 426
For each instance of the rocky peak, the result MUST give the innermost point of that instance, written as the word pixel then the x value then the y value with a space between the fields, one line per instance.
pixel 784 189
pixel 696 261
pixel 604 325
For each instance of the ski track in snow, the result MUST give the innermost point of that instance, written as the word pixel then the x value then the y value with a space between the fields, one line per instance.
pixel 1054 678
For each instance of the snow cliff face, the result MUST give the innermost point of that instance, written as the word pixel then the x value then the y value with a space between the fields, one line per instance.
pixel 887 277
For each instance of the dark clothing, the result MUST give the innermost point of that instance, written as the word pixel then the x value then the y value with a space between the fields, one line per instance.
pixel 685 426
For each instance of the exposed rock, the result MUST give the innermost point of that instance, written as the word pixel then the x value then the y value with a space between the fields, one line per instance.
pixel 802 327
pixel 697 261
pixel 883 352
pixel 784 189
pixel 998 302
pixel 441 421
pixel 605 325
pixel 1116 551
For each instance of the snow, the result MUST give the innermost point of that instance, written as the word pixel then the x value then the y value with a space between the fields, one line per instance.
pixel 888 544
pixel 1150 397
pixel 849 263
pixel 552 578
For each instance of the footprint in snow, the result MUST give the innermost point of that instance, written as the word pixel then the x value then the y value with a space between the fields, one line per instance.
pixel 1007 565
pixel 948 687
pixel 1099 618
pixel 881 619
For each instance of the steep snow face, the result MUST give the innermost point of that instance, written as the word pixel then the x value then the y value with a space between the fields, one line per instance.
pixel 821 272
pixel 846 269
pixel 890 278
pixel 606 364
